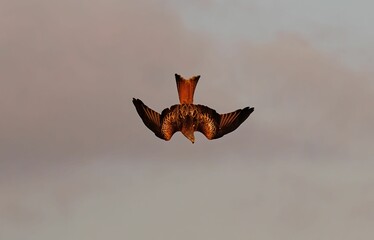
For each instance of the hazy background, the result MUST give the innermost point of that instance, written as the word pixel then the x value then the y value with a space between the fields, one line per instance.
pixel 76 161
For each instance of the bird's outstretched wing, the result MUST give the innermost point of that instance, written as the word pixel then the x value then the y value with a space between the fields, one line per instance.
pixel 208 121
pixel 231 121
pixel 214 125
pixel 151 119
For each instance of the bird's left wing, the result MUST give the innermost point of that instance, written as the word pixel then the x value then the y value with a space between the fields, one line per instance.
pixel 151 119
pixel 231 121
pixel 208 121
pixel 214 125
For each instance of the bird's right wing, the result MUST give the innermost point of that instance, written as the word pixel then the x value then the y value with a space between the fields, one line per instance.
pixel 214 125
pixel 150 118
pixel 208 121
pixel 231 121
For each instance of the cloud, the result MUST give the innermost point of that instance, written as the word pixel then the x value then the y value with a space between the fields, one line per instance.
pixel 71 72
pixel 69 83
pixel 76 160
pixel 306 96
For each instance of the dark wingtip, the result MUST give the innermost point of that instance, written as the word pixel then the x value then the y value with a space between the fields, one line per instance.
pixel 137 102
pixel 177 76
pixel 250 109
pixel 246 112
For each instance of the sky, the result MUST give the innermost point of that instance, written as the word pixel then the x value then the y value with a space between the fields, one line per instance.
pixel 76 161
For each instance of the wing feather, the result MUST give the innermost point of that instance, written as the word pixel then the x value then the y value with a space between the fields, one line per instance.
pixel 151 118
pixel 208 121
pixel 231 121
pixel 169 122
pixel 214 125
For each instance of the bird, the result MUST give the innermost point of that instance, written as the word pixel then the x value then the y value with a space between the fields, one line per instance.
pixel 188 117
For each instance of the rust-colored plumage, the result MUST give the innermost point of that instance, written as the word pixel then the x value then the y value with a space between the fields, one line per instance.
pixel 188 117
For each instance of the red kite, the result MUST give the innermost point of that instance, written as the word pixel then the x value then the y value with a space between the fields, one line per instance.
pixel 188 117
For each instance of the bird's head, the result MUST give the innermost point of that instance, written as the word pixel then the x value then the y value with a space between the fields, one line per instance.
pixel 188 128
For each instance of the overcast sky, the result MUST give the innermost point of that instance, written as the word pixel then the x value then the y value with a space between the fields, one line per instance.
pixel 76 161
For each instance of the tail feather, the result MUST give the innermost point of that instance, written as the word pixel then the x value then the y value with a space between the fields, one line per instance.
pixel 186 88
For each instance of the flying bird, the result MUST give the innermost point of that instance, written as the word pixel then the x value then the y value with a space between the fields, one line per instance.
pixel 188 117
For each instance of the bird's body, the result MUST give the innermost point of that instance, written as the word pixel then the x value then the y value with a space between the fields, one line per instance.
pixel 188 117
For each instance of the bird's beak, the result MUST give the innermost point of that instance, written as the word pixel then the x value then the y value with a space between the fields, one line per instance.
pixel 189 136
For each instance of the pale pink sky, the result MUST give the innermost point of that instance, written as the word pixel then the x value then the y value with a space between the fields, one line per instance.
pixel 76 161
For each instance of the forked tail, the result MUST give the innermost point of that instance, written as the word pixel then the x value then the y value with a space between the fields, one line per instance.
pixel 186 88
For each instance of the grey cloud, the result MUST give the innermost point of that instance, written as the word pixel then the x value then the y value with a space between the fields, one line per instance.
pixel 307 96
pixel 69 83
pixel 76 162
pixel 71 71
